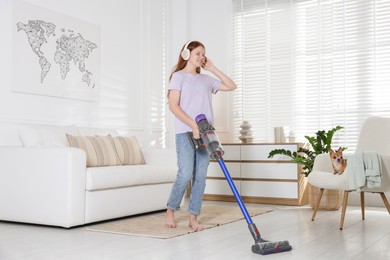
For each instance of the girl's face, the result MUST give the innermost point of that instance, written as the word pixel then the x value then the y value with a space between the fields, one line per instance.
pixel 197 57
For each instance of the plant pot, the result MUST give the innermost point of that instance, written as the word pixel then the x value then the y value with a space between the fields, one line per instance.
pixel 331 199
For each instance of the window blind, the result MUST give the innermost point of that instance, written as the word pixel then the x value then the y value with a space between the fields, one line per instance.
pixel 310 65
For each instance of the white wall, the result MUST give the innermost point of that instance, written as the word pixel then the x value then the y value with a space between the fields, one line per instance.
pixel 133 46
pixel 118 74
pixel 122 94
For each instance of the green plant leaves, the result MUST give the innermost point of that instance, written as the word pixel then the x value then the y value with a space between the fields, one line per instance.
pixel 320 143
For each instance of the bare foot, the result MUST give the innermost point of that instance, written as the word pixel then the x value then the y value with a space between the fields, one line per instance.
pixel 170 221
pixel 194 224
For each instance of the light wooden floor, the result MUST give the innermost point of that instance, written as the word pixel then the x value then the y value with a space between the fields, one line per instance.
pixel 321 239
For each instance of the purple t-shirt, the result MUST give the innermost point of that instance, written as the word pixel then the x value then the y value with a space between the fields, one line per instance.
pixel 195 96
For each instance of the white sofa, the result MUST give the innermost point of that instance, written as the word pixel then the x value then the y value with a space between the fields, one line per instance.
pixel 43 181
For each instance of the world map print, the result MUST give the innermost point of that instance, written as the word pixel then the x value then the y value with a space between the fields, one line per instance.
pixel 70 49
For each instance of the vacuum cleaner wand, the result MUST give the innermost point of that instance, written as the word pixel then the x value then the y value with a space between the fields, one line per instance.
pixel 214 148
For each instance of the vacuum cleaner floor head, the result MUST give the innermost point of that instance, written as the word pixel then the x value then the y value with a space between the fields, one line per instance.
pixel 265 248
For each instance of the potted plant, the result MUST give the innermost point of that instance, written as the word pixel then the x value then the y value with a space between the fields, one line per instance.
pixel 319 144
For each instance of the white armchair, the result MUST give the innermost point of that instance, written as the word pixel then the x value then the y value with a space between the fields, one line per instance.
pixel 374 137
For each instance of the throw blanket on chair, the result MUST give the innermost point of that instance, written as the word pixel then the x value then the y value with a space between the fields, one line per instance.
pixel 364 169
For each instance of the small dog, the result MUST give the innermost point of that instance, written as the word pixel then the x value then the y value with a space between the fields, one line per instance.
pixel 338 162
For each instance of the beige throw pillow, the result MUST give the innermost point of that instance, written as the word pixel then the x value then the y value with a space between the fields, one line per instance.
pixel 128 150
pixel 100 150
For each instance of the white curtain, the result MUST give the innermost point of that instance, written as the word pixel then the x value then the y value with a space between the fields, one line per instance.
pixel 310 65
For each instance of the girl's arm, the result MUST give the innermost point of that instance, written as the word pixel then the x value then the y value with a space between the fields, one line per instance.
pixel 174 107
pixel 227 83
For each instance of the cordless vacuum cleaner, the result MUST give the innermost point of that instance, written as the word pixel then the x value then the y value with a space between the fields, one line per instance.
pixel 210 141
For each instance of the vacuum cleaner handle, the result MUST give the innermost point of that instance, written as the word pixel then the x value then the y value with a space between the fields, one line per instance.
pixel 195 143
pixel 216 151
pixel 235 191
pixel 210 139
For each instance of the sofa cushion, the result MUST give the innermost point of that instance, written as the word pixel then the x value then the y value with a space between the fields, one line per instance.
pixel 92 131
pixel 30 137
pixel 46 135
pixel 56 135
pixel 100 150
pixel 111 177
pixel 128 150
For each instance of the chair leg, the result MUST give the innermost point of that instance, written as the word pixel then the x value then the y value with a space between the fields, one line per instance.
pixel 362 204
pixel 345 201
pixel 317 204
pixel 385 201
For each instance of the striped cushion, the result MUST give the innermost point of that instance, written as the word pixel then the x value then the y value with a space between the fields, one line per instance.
pixel 128 150
pixel 100 150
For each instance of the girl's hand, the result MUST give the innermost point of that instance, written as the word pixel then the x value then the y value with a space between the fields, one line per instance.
pixel 195 132
pixel 207 64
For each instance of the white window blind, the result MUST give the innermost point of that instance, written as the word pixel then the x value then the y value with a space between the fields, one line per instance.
pixel 310 65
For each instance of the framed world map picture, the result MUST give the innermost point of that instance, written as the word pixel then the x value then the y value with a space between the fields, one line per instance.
pixel 55 54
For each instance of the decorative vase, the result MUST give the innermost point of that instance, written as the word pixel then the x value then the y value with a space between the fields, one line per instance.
pixel 245 132
pixel 279 135
pixel 291 137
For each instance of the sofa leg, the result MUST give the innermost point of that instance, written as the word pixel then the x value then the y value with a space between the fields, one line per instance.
pixel 362 204
pixel 317 204
pixel 345 201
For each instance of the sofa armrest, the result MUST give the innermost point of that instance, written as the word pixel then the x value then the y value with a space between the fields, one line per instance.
pixel 323 163
pixel 159 156
pixel 322 174
pixel 42 185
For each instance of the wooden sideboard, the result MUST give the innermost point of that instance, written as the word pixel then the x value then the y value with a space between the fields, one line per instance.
pixel 258 179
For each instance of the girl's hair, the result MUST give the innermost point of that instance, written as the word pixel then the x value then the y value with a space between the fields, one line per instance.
pixel 181 63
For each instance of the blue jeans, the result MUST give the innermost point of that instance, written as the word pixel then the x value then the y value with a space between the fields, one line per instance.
pixel 192 166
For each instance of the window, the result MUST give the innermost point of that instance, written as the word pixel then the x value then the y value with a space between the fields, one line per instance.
pixel 310 65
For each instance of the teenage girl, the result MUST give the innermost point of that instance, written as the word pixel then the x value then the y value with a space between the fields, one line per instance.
pixel 190 94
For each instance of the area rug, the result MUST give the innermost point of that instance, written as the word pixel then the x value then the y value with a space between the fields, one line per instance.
pixel 152 225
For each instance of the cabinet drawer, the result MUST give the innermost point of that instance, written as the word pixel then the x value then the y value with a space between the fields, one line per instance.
pixel 220 187
pixel 232 152
pixel 215 170
pixel 261 152
pixel 258 179
pixel 269 189
pixel 275 170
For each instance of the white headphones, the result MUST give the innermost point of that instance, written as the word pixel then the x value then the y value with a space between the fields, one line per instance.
pixel 185 54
